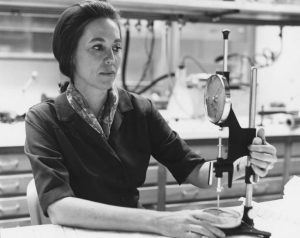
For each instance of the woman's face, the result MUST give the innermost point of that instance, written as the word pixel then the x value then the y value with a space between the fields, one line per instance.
pixel 98 55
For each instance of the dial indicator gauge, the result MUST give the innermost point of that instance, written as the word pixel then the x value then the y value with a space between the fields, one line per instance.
pixel 217 99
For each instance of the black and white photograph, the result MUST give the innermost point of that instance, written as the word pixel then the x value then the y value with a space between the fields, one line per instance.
pixel 149 118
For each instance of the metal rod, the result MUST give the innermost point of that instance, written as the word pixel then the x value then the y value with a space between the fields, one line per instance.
pixel 219 190
pixel 253 95
pixel 210 173
pixel 220 143
pixel 252 114
pixel 225 56
pixel 249 195
pixel 225 33
pixel 219 186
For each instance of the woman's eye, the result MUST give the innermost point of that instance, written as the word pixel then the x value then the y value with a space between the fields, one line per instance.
pixel 117 48
pixel 98 47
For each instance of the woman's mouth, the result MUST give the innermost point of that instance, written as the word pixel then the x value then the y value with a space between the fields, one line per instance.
pixel 108 73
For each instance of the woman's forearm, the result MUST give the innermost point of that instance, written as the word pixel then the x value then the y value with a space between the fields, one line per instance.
pixel 71 211
pixel 86 214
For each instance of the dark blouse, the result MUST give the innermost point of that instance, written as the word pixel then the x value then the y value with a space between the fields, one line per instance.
pixel 69 158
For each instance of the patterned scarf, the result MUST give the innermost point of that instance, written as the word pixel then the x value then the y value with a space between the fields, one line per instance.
pixel 102 123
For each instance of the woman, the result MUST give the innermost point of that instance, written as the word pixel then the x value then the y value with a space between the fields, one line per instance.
pixel 90 147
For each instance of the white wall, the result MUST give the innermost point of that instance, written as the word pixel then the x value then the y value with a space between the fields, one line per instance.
pixel 281 81
pixel 13 77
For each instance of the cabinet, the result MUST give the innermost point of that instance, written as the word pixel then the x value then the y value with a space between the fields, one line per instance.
pixel 15 174
pixel 160 190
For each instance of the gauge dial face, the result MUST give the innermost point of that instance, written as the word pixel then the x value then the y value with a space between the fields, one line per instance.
pixel 217 99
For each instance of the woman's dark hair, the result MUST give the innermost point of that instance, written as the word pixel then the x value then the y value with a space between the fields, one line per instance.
pixel 70 27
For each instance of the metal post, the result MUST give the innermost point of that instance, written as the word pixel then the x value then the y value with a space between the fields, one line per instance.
pixel 225 56
pixel 252 114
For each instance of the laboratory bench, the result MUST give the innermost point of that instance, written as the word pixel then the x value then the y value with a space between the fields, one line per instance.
pixel 268 216
pixel 160 190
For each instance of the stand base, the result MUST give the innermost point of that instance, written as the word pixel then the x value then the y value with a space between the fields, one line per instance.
pixel 245 229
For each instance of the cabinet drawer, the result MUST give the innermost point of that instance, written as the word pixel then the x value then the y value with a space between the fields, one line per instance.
pixel 281 142
pixel 14 184
pixel 13 207
pixel 14 163
pixel 295 149
pixel 9 223
pixel 294 166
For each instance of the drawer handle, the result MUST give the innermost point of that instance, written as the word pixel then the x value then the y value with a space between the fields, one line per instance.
pixel 12 187
pixel 10 209
pixel 8 165
pixel 190 194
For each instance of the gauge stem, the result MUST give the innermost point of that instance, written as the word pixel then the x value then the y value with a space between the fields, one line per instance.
pixel 219 186
pixel 220 144
pixel 225 57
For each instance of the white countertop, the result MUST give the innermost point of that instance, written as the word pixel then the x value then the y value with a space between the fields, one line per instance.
pixel 14 134
pixel 267 217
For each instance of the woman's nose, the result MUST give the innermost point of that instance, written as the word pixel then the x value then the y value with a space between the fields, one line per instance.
pixel 109 59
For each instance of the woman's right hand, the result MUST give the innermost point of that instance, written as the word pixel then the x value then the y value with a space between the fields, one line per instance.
pixel 189 224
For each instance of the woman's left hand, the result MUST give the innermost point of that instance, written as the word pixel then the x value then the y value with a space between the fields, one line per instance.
pixel 263 155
